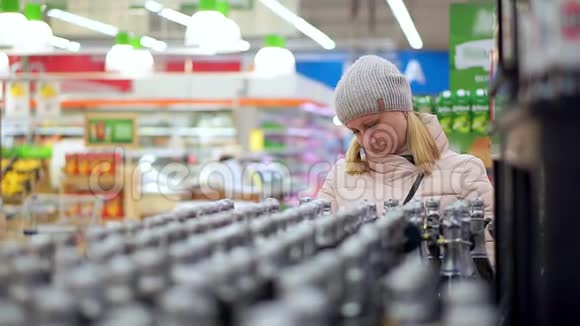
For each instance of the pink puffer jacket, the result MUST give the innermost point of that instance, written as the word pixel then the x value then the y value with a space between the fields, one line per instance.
pixel 455 176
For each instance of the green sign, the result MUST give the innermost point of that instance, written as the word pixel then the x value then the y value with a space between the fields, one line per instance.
pixel 111 130
pixel 471 27
pixel 28 151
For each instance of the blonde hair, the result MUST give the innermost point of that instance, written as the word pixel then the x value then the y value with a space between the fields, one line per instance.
pixel 420 143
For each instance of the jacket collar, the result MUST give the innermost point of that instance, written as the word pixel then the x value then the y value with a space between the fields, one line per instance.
pixel 397 161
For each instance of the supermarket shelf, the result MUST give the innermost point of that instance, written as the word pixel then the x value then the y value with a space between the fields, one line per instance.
pixel 271 103
pixel 296 132
pixel 143 131
pixel 86 182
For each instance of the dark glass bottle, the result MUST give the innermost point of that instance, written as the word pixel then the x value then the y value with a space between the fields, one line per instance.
pixel 66 259
pixel 388 205
pixel 410 294
pixel 28 273
pixel 85 284
pixel 432 231
pixel 479 252
pixel 468 302
pixel 52 307
pixel 130 315
pixel 308 307
pixel 152 279
pixel 356 308
pixel 464 215
pixel 181 307
pixel 453 247
pixel 12 314
pixel 120 282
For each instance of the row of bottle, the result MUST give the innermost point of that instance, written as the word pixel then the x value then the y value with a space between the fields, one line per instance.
pixel 460 112
pixel 453 241
pixel 360 280
pixel 208 265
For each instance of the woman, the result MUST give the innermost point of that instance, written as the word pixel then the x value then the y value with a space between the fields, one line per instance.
pixel 396 154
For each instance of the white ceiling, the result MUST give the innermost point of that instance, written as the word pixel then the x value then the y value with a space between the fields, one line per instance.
pixel 373 23
pixel 335 17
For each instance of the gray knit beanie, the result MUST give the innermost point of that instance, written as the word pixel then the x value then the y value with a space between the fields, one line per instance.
pixel 371 85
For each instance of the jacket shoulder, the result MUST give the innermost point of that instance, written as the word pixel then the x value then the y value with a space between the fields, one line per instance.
pixel 340 165
pixel 459 162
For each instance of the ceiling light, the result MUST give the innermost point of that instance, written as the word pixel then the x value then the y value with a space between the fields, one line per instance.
pixel 274 59
pixel 153 6
pixel 167 13
pixel 175 16
pixel 85 22
pixel 12 23
pixel 152 43
pixel 141 61
pixel 406 22
pixel 231 36
pixel 119 56
pixel 37 36
pixel 300 24
pixel 206 26
pixel 103 28
pixel 63 43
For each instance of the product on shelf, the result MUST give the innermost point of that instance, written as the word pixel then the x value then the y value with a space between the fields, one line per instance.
pixel 87 164
pixel 423 104
pixel 444 111
pixel 113 207
pixel 461 111
pixel 20 177
pixel 480 111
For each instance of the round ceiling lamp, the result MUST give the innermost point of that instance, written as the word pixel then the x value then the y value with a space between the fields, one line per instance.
pixel 37 36
pixel 12 23
pixel 206 27
pixel 120 54
pixel 274 59
pixel 141 62
pixel 231 34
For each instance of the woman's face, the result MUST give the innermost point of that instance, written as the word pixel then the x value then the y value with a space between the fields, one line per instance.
pixel 380 134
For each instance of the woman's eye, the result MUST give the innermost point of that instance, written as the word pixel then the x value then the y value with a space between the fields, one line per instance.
pixel 354 132
pixel 370 125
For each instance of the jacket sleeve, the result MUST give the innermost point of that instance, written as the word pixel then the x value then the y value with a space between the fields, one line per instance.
pixel 328 189
pixel 476 184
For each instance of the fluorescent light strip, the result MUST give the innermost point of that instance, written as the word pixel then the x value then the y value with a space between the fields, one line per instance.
pixel 85 22
pixel 302 25
pixel 152 43
pixel 65 44
pixel 153 6
pixel 103 28
pixel 402 15
pixel 182 19
pixel 167 13
pixel 175 16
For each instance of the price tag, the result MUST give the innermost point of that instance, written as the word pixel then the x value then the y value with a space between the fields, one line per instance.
pixel 17 100
pixel 48 99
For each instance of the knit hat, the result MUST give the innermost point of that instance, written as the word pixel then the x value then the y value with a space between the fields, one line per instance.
pixel 371 85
